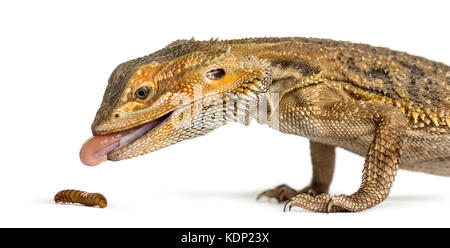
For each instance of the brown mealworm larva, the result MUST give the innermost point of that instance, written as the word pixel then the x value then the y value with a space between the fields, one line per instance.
pixel 78 196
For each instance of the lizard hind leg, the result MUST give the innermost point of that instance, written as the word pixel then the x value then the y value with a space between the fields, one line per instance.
pixel 322 158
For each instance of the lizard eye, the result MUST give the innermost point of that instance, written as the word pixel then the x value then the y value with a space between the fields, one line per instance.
pixel 215 74
pixel 142 92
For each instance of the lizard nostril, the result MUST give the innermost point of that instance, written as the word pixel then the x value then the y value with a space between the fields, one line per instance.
pixel 116 116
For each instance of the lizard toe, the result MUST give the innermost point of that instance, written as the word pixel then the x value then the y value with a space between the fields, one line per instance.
pixel 280 193
pixel 313 203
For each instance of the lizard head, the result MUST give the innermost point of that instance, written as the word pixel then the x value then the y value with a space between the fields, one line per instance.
pixel 174 94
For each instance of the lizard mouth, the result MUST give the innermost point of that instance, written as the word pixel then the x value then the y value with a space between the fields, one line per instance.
pixel 95 149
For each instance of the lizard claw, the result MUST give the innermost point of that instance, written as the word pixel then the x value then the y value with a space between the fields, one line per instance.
pixel 330 205
pixel 288 206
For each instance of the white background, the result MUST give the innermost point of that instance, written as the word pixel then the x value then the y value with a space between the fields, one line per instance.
pixel 56 57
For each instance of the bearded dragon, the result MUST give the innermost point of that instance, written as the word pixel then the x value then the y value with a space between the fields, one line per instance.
pixel 390 107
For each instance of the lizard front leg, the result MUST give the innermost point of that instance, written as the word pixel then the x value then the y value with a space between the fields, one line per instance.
pixel 381 163
pixel 322 158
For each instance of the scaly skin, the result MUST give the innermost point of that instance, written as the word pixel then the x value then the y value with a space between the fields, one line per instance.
pixel 391 107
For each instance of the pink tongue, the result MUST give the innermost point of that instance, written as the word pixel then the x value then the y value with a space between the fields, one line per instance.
pixel 94 150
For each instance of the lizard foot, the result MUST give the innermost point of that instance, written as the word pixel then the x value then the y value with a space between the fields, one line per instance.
pixel 281 193
pixel 320 203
